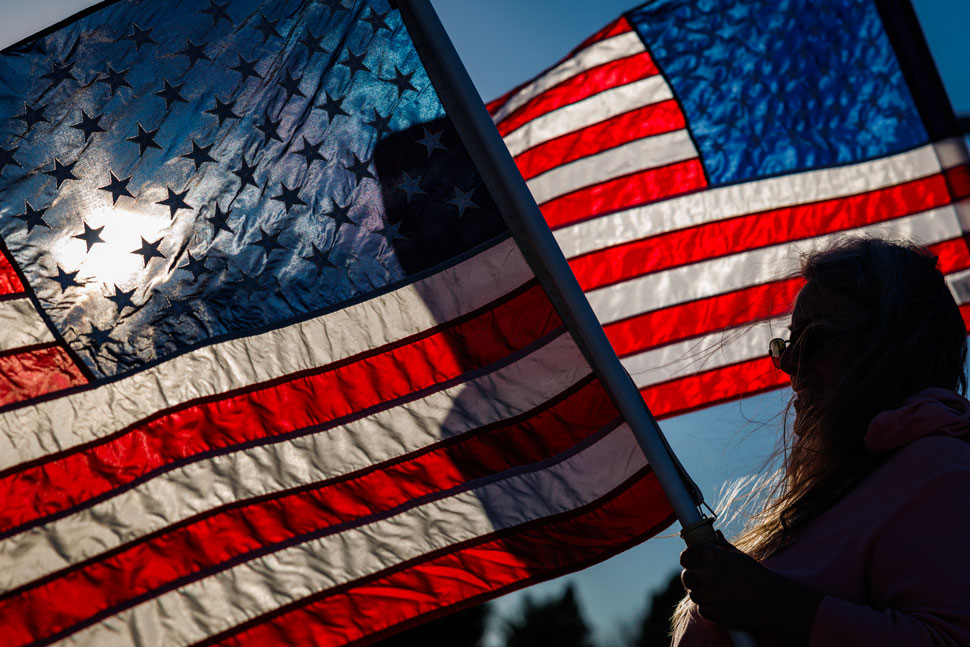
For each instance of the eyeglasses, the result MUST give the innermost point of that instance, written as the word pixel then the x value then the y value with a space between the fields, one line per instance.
pixel 776 347
pixel 806 338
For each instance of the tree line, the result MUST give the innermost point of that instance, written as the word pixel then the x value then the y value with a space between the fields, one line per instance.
pixel 557 620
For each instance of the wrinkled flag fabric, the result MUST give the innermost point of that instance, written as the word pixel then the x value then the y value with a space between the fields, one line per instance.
pixel 272 369
pixel 688 153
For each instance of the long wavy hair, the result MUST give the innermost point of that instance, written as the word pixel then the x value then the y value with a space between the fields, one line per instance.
pixel 907 335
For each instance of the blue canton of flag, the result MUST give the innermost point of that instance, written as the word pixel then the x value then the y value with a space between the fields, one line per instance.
pixel 249 164
pixel 773 87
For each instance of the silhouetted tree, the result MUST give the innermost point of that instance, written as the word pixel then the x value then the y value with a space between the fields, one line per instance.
pixel 464 628
pixel 654 627
pixel 555 621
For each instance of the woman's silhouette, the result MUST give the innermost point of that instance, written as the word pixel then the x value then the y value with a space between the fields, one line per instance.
pixel 863 541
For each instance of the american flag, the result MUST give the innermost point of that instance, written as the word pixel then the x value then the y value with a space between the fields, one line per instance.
pixel 689 153
pixel 272 370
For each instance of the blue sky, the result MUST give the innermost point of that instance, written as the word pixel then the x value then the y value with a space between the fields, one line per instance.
pixel 504 42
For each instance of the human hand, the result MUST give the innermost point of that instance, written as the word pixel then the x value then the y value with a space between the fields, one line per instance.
pixel 733 590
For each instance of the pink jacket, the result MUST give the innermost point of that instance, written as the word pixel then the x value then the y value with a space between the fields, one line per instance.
pixel 893 557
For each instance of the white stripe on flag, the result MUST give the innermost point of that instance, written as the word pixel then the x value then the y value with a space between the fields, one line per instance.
pixel 952 152
pixel 589 111
pixel 752 197
pixel 637 155
pixel 705 353
pixel 36 430
pixel 725 347
pixel 604 51
pixel 211 605
pixel 175 496
pixel 963 213
pixel 728 273
pixel 959 283
pixel 20 325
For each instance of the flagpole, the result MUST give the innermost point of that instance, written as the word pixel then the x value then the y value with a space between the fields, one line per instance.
pixel 539 246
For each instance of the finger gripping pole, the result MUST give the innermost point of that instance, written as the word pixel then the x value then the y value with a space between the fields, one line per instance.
pixel 700 533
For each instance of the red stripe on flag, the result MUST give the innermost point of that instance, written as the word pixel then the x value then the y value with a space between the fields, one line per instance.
pixel 109 583
pixel 616 28
pixel 35 372
pixel 478 569
pixel 643 122
pixel 619 26
pixel 954 255
pixel 686 320
pixel 593 81
pixel 703 316
pixel 9 281
pixel 692 392
pixel 624 192
pixel 958 178
pixel 494 105
pixel 723 237
pixel 713 387
pixel 320 397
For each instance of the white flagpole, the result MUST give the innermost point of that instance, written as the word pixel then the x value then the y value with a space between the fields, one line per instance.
pixel 534 237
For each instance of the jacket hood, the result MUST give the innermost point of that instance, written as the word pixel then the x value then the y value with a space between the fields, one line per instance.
pixel 931 412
